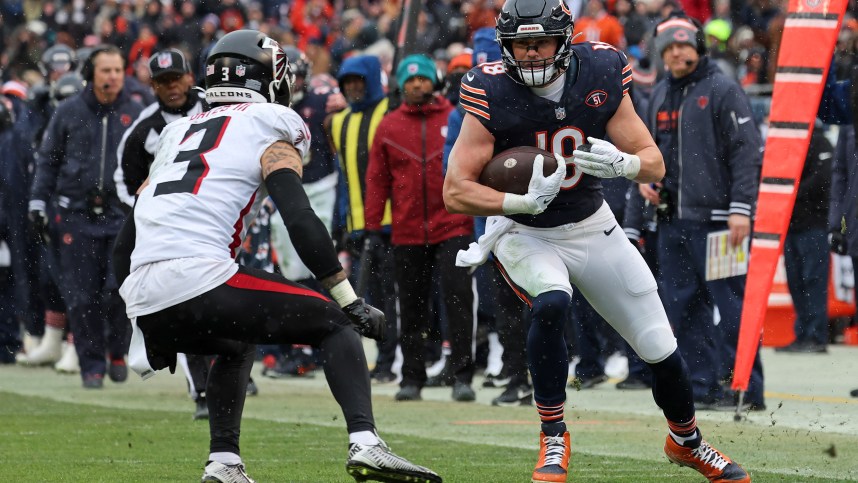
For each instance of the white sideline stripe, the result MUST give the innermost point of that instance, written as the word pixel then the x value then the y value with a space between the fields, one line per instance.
pixel 803 78
pixel 811 23
pixel 765 243
pixel 776 188
pixel 780 132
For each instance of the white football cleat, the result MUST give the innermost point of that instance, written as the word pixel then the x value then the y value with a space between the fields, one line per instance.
pixel 221 473
pixel 378 463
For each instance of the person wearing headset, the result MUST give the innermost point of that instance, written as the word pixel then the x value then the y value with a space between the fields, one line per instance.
pixel 74 173
pixel 701 121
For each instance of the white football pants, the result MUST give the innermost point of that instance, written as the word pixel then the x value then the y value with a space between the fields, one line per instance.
pixel 596 257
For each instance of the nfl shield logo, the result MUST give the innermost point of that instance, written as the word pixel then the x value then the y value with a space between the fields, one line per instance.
pixel 239 71
pixel 560 113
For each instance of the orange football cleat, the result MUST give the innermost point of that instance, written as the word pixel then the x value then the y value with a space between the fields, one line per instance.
pixel 708 461
pixel 554 452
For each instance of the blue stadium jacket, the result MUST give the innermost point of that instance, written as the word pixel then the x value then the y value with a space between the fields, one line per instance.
pixel 78 151
pixel 714 157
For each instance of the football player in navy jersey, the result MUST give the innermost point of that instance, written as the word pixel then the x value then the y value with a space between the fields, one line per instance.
pixel 545 92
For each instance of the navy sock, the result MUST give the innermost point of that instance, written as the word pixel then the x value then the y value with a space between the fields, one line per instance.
pixel 554 429
pixel 547 356
pixel 671 389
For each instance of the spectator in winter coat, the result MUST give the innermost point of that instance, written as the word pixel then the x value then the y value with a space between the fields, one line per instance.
pixel 406 166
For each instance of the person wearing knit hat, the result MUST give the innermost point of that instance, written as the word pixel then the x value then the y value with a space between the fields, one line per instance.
pixel 416 65
pixel 671 38
pixel 460 62
pixel 676 30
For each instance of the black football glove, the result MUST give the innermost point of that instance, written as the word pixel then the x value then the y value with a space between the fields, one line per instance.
pixel 836 242
pixel 368 320
pixel 38 226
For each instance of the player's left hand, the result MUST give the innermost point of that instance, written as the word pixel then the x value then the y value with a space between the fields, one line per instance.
pixel 604 160
pixel 368 320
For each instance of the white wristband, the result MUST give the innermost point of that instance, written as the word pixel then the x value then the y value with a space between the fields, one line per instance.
pixel 514 204
pixel 343 293
pixel 633 167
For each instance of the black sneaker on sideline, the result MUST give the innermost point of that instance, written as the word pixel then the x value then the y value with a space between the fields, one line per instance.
pixel 515 395
pixel 634 383
pixel 442 379
pixel 497 380
pixel 202 409
pixel 252 389
pixel 853 393
pixel 408 393
pixel 117 371
pixel 462 392
pixel 93 381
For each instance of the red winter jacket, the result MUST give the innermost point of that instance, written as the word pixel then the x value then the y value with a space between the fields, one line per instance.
pixel 405 165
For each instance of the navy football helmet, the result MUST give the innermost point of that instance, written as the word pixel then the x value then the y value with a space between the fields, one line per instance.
pixel 524 19
pixel 248 66
pixel 301 67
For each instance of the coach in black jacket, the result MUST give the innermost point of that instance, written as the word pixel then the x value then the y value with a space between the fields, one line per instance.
pixel 703 125
pixel 74 170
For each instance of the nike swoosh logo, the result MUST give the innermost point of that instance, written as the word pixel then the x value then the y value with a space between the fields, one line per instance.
pixel 743 120
pixel 470 76
pixel 608 232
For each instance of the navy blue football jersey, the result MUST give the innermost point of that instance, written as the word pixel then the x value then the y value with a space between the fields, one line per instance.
pixel 312 110
pixel 518 117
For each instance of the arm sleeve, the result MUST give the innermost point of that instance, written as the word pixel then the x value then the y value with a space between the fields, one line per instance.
pixel 378 182
pixel 744 149
pixel 843 154
pixel 133 164
pixel 309 235
pixel 48 161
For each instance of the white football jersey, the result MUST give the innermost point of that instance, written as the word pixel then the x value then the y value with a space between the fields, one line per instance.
pixel 205 186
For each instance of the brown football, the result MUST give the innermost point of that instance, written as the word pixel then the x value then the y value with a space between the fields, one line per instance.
pixel 510 170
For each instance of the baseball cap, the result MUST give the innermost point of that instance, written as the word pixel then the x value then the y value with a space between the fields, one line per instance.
pixel 168 62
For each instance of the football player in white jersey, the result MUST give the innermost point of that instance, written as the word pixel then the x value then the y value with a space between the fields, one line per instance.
pixel 183 290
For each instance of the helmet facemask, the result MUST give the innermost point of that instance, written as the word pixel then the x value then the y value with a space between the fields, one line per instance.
pixel 530 19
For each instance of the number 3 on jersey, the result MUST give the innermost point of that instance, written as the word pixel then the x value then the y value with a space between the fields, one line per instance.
pixel 198 168
pixel 559 139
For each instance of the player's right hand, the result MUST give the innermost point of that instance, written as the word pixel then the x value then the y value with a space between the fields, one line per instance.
pixel 368 320
pixel 543 189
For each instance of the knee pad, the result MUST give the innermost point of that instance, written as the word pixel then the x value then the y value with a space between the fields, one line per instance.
pixel 551 305
pixel 654 344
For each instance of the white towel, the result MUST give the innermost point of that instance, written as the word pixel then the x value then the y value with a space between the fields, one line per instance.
pixel 478 252
pixel 137 358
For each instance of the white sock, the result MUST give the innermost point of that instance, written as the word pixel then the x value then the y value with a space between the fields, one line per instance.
pixel 366 438
pixel 228 459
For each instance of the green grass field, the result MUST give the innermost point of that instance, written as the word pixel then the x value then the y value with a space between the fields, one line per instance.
pixel 53 431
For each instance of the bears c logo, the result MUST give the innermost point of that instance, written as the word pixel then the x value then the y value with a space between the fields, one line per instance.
pixel 596 98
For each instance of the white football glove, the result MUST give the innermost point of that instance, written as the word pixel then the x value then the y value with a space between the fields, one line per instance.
pixel 540 192
pixel 604 160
